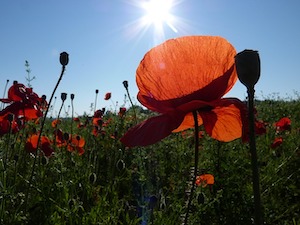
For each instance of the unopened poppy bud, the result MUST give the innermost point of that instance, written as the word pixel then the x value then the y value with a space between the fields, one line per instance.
pixel 247 65
pixel 64 58
pixel 72 96
pixel 63 96
pixel 97 91
pixel 125 83
pixel 10 117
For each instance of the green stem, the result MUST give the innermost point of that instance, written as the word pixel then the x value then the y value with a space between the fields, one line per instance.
pixel 195 165
pixel 254 163
pixel 40 134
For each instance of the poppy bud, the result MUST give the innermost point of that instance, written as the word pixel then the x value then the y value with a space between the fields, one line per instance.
pixel 63 96
pixel 64 58
pixel 125 83
pixel 72 96
pixel 247 65
pixel 97 91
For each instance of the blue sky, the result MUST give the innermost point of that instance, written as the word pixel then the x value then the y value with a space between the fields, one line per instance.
pixel 106 43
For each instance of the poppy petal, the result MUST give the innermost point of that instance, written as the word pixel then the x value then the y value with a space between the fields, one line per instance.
pixel 152 130
pixel 226 121
pixel 186 66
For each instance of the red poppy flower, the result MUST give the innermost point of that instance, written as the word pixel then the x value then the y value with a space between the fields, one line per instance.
pixel 185 75
pixel 107 96
pixel 76 143
pixel 122 111
pixel 31 145
pixel 283 124
pixel 260 127
pixel 277 142
pixel 205 179
pixel 24 103
pixel 55 122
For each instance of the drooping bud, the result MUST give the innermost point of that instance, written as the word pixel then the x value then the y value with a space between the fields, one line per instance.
pixel 247 65
pixel 64 58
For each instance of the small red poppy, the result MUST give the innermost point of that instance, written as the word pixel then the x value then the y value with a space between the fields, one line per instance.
pixel 107 96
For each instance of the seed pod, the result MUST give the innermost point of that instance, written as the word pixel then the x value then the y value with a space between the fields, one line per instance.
pixel 64 58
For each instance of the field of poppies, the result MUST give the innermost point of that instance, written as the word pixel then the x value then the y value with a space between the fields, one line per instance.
pixel 184 159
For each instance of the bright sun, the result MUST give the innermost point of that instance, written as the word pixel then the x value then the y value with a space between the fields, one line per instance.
pixel 158 13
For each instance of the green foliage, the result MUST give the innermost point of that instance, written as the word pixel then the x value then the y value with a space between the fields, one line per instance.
pixel 111 184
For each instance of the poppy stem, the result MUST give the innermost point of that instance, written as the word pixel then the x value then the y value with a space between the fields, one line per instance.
pixel 40 135
pixel 254 163
pixel 195 166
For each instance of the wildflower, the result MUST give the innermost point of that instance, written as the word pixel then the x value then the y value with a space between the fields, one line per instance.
pixel 122 111
pixel 277 142
pixel 76 143
pixel 23 103
pixel 260 127
pixel 283 124
pixel 55 122
pixel 31 145
pixel 205 179
pixel 185 75
pixel 107 96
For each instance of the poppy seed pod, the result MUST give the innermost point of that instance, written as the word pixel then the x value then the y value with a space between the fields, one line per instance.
pixel 247 65
pixel 63 96
pixel 125 83
pixel 64 58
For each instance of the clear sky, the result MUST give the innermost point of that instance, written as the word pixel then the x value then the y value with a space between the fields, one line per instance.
pixel 106 41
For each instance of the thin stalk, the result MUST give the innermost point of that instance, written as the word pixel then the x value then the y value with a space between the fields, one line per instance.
pixel 40 134
pixel 195 165
pixel 254 163
pixel 133 108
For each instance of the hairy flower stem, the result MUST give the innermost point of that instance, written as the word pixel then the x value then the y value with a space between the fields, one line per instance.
pixel 255 172
pixel 133 108
pixel 195 167
pixel 40 134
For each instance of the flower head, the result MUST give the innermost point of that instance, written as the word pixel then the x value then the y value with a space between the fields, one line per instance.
pixel 185 75
pixel 107 96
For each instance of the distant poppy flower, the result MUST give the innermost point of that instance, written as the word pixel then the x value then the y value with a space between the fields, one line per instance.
pixel 260 127
pixel 205 179
pixel 55 122
pixel 283 124
pixel 76 143
pixel 31 145
pixel 107 96
pixel 277 142
pixel 185 75
pixel 122 111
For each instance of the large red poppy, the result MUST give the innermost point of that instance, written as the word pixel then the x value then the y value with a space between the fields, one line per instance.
pixel 185 75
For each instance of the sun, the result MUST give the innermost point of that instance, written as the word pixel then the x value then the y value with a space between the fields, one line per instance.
pixel 157 13
pixel 157 17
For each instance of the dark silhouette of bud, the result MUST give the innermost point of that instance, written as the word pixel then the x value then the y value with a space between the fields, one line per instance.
pixel 97 91
pixel 72 96
pixel 64 58
pixel 125 83
pixel 10 117
pixel 63 96
pixel 247 65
